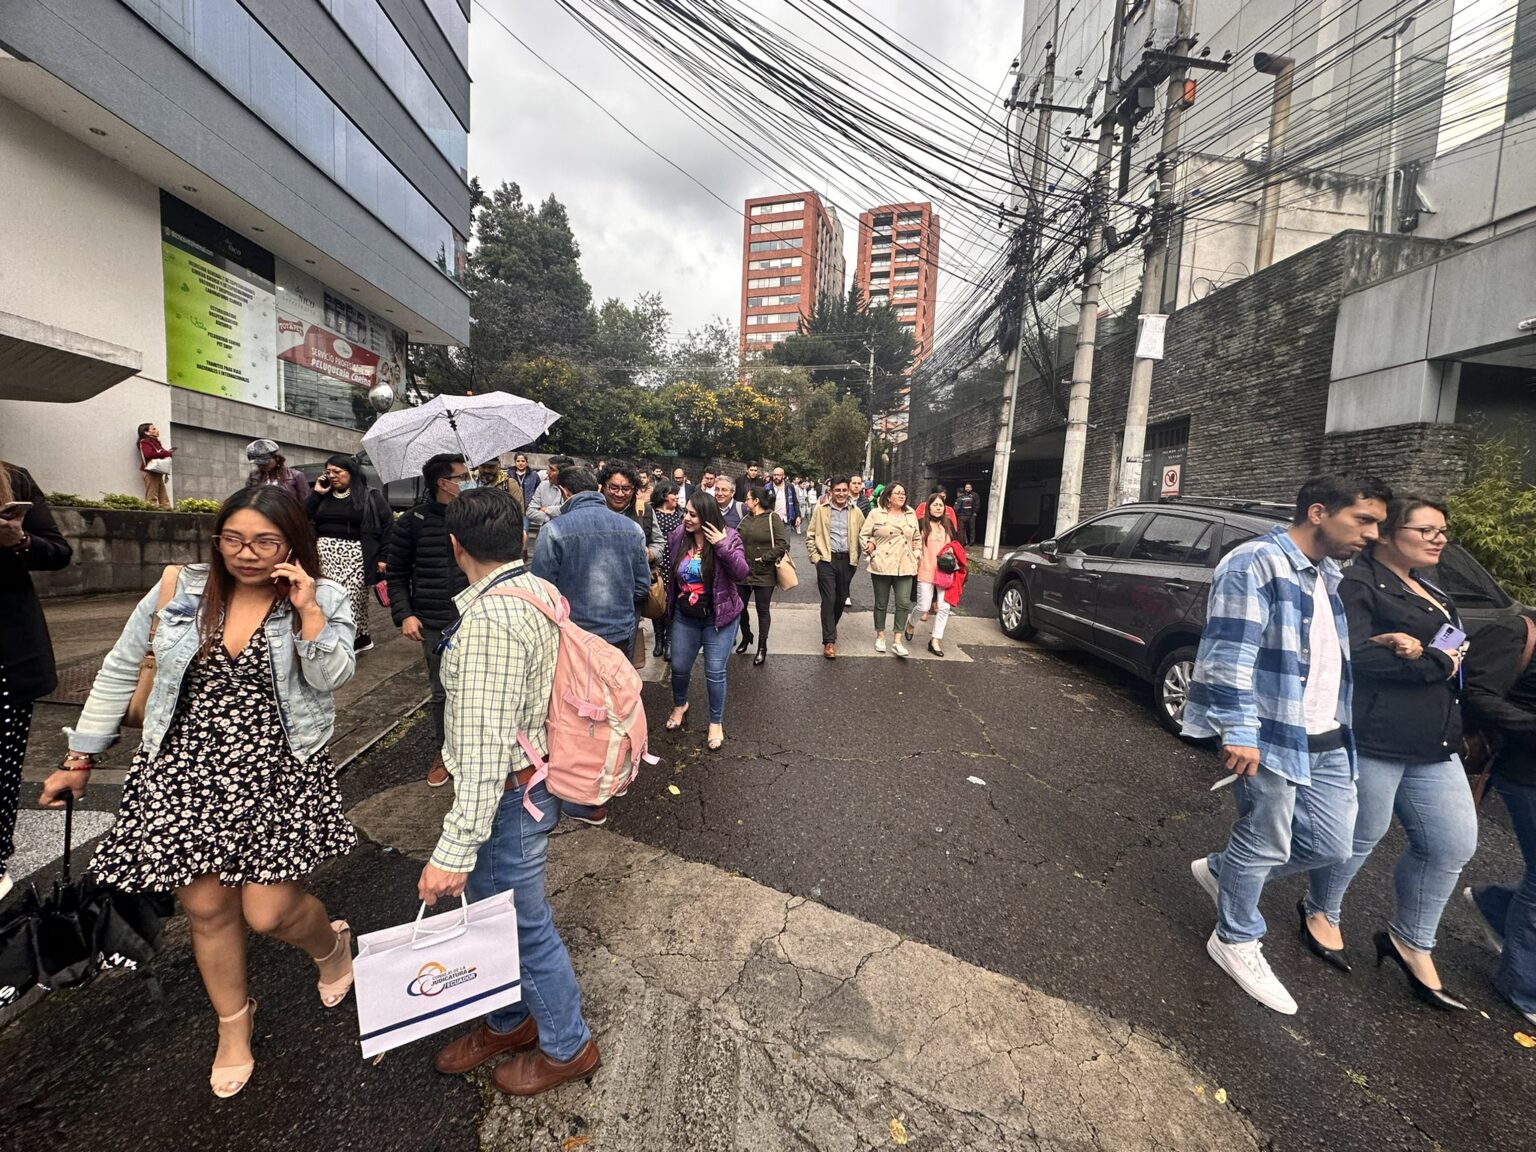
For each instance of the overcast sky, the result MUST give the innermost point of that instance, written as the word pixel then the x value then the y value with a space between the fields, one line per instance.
pixel 641 225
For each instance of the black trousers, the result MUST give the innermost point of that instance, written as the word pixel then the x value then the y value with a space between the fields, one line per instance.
pixel 762 596
pixel 967 529
pixel 833 579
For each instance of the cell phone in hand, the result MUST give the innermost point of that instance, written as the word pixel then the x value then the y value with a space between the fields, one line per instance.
pixel 1449 639
pixel 15 510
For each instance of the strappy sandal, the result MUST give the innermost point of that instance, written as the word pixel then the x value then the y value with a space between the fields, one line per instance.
pixel 333 993
pixel 680 722
pixel 716 744
pixel 227 1080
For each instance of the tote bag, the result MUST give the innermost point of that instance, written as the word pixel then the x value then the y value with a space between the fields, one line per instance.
pixel 783 571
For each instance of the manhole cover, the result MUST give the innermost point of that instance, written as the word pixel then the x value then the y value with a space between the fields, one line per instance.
pixel 74 683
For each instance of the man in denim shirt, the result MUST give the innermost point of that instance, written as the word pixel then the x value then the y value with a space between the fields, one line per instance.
pixel 596 557
pixel 1272 682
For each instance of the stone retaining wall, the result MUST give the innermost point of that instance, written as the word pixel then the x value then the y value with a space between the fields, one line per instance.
pixel 120 551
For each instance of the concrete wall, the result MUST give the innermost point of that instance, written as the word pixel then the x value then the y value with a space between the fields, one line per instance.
pixel 82 252
pixel 123 551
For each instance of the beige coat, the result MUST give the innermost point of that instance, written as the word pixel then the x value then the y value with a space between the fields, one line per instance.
pixel 897 540
pixel 818 537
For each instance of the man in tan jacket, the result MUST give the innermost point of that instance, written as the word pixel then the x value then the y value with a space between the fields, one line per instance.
pixel 832 543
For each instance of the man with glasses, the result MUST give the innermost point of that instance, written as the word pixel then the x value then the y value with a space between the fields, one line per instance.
pixel 684 489
pixel 786 500
pixel 424 578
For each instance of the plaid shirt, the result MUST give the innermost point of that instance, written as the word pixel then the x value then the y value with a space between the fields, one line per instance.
pixel 498 669
pixel 1253 663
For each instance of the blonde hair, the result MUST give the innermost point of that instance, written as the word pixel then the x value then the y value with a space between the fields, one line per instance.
pixel 7 492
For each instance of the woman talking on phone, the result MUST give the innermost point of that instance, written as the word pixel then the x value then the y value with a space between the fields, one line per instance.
pixel 231 799
pixel 351 521
pixel 1405 648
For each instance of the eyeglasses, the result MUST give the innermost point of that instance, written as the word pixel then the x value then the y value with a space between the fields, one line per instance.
pixel 1429 532
pixel 263 547
pixel 457 477
pixel 621 489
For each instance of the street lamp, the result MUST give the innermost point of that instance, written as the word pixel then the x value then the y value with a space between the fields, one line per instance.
pixel 382 397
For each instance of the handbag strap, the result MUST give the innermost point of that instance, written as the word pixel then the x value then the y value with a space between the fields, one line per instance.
pixel 1530 646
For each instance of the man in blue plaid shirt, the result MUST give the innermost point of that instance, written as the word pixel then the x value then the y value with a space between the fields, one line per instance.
pixel 1272 683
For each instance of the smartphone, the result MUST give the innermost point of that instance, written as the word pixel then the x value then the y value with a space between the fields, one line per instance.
pixel 284 585
pixel 15 510
pixel 1449 638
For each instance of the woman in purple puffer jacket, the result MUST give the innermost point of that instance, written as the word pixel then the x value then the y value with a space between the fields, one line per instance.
pixel 707 563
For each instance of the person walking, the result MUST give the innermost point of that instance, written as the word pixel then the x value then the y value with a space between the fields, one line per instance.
pixel 1407 726
pixel 1272 683
pixel 832 546
pixel 860 496
pixel 596 557
pixel 621 486
pixel 526 479
pixel 680 482
pixel 786 500
pixel 703 601
pixel 151 450
pixel 764 542
pixel 350 520
pixel 669 515
pixel 423 580
pixel 891 539
pixel 940 571
pixel 492 475
pixel 231 800
pixel 967 508
pixel 30 541
pixel 1500 703
pixel 706 484
pixel 745 482
pixel 499 671
pixel 547 501
pixel 270 470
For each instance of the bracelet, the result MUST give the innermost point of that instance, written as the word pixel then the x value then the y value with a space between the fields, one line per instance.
pixel 79 762
pixel 22 546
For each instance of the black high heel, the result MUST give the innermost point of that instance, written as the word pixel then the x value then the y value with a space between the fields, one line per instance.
pixel 1334 956
pixel 762 655
pixel 661 643
pixel 1436 997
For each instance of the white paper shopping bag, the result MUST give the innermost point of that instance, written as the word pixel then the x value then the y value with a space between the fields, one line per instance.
pixel 423 977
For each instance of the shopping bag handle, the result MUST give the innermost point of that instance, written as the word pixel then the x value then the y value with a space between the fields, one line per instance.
pixel 439 935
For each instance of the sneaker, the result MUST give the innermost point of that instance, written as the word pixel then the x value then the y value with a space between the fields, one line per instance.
pixel 1201 870
pixel 362 644
pixel 879 643
pixel 899 648
pixel 1491 934
pixel 1245 963
pixel 597 817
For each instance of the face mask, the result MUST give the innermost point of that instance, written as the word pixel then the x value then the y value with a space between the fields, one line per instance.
pixel 468 485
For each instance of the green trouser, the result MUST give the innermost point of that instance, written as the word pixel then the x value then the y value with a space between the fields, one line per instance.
pixel 884 586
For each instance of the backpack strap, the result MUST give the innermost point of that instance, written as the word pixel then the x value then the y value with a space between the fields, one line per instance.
pixel 172 576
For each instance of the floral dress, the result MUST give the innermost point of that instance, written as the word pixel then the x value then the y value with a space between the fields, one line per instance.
pixel 225 793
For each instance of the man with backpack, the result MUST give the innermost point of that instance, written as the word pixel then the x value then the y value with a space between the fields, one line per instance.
pixel 499 670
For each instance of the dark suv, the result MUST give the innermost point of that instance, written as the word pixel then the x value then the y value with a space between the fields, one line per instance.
pixel 1130 585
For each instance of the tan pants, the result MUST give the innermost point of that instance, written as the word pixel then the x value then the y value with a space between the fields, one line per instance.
pixel 154 490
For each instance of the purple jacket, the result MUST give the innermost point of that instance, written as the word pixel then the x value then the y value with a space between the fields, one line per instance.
pixel 730 570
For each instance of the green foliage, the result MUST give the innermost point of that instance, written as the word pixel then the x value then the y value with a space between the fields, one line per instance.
pixel 69 500
pixel 837 441
pixel 122 502
pixel 838 339
pixel 192 504
pixel 126 503
pixel 1494 517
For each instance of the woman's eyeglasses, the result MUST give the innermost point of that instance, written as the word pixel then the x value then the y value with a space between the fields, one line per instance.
pixel 263 547
pixel 1429 532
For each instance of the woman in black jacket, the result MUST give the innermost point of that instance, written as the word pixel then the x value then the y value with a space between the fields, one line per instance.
pixel 1501 703
pixel 1407 726
pixel 351 520
pixel 29 542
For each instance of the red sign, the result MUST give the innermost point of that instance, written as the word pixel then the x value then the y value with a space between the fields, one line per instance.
pixel 314 347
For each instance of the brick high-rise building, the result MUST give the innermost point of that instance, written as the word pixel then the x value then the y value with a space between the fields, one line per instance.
pixel 791 253
pixel 898 266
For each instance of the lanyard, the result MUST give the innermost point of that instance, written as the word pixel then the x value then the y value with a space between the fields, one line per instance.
pixel 445 640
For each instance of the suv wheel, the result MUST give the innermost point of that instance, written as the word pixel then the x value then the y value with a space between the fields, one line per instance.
pixel 1013 612
pixel 1170 687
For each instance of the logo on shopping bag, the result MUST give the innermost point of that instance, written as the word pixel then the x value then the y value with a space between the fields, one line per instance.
pixel 434 979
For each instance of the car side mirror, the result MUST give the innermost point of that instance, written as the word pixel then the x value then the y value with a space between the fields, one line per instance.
pixel 1051 549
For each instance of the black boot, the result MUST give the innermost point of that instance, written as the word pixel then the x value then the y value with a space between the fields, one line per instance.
pixel 661 641
pixel 746 640
pixel 762 654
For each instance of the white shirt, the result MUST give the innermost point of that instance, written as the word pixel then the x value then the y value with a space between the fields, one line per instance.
pixel 1320 696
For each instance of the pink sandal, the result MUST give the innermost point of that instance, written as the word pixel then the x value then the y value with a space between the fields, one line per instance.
pixel 333 993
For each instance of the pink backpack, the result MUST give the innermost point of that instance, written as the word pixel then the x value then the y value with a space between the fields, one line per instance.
pixel 596 724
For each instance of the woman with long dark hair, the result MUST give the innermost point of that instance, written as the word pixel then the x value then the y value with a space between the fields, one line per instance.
pixel 231 799
pixel 941 570
pixel 703 604
pixel 669 515
pixel 30 542
pixel 351 520
pixel 890 538
pixel 150 449
pixel 764 540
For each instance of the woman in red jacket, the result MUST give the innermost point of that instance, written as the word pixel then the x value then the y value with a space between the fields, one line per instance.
pixel 151 449
pixel 940 569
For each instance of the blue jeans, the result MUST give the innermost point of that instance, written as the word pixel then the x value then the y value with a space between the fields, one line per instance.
pixel 688 636
pixel 1282 828
pixel 1514 908
pixel 515 857
pixel 1435 806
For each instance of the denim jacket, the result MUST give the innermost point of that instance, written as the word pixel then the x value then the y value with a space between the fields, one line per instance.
pixel 306 672
pixel 596 557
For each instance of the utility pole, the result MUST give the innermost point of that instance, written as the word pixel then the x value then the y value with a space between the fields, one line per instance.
pixel 1283 69
pixel 869 441
pixel 1002 451
pixel 1076 445
pixel 1133 445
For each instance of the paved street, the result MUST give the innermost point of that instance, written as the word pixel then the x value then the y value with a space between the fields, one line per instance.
pixel 1009 823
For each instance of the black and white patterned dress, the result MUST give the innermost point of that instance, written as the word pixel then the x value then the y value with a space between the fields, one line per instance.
pixel 225 793
pixel 342 561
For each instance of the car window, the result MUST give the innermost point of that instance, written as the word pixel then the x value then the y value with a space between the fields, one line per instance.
pixel 1231 536
pixel 1101 537
pixel 1468 582
pixel 1173 540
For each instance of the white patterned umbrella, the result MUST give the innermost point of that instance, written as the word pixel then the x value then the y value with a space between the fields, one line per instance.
pixel 478 427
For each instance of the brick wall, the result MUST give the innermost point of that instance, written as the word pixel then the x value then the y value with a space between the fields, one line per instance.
pixel 1424 459
pixel 123 551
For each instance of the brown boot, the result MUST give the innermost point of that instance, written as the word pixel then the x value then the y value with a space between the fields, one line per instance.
pixel 475 1048
pixel 437 775
pixel 530 1073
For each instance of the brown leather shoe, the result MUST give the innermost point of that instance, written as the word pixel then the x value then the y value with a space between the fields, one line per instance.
pixel 437 775
pixel 829 651
pixel 475 1048
pixel 530 1073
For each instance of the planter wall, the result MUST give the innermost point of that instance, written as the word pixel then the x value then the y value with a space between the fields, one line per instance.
pixel 119 551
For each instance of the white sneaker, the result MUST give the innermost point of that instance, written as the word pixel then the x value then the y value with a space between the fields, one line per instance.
pixel 1201 870
pixel 1245 963
pixel 1490 933
pixel 899 648
pixel 879 643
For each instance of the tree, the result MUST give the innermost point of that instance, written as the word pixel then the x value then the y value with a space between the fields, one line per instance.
pixel 707 356
pixel 752 425
pixel 1494 514
pixel 696 415
pixel 836 341
pixel 837 442
pixel 630 339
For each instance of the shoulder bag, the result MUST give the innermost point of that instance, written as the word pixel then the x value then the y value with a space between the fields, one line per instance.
pixel 784 570
pixel 1477 750
pixel 160 465
pixel 134 717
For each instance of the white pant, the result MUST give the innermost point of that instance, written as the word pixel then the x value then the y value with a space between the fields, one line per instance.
pixel 927 594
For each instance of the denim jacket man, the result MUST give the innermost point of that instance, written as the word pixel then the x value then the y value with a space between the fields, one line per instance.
pixel 597 558
pixel 1272 683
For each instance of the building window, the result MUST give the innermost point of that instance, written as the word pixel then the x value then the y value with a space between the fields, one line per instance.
pixel 1479 58
pixel 883 220
pixel 905 293
pixel 774 318
pixel 907 310
pixel 906 274
pixel 773 245
pixel 770 301
pixel 879 261
pixel 909 237
pixel 780 206
pixel 765 337
pixel 455 25
pixel 777 262
pixel 778 226
pixel 879 279
pixel 1167 446
pixel 226 42
pixel 910 218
